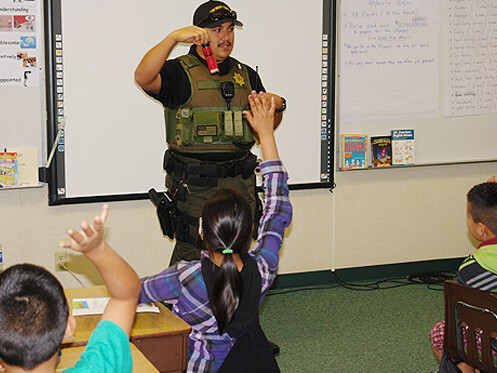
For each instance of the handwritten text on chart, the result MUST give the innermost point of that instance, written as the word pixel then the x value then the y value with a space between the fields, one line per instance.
pixel 389 60
pixel 471 55
pixel 383 29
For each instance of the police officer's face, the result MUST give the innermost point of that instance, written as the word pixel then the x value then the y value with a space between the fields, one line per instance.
pixel 222 40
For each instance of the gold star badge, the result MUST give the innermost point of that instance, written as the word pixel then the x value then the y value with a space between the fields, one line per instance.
pixel 239 79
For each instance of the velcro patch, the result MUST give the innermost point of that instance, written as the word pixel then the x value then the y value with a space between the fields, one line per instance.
pixel 206 130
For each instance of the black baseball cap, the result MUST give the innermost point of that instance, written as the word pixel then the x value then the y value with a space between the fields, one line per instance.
pixel 214 13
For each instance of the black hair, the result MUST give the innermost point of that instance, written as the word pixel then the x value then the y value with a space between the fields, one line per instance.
pixel 482 200
pixel 226 224
pixel 33 315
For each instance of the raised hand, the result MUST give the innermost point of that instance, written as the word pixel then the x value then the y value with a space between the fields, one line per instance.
pixel 261 117
pixel 191 34
pixel 90 236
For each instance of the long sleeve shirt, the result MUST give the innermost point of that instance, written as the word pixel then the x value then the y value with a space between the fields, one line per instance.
pixel 479 270
pixel 183 284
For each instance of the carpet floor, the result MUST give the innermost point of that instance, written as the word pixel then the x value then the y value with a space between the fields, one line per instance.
pixel 342 330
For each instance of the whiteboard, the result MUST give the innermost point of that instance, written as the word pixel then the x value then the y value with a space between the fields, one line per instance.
pixel 114 137
pixel 424 65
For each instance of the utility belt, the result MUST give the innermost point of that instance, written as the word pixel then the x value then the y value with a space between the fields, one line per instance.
pixel 204 173
pixel 188 171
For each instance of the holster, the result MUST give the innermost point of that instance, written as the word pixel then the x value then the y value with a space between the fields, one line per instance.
pixel 174 223
pixel 167 211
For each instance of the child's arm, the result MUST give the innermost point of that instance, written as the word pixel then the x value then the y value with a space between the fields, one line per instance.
pixel 121 280
pixel 277 213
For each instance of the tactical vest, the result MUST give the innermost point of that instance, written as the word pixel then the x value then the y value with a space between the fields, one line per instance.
pixel 203 123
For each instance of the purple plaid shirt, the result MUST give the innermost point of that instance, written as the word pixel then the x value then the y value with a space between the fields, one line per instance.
pixel 183 285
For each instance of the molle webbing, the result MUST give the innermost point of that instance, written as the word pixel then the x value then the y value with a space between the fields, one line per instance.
pixel 206 173
pixel 203 123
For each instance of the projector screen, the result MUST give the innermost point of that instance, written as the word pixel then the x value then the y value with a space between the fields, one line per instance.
pixel 112 135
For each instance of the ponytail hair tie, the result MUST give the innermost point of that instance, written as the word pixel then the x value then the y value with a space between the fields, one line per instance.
pixel 227 251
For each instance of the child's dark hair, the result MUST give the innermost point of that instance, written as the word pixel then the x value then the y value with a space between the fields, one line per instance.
pixel 227 225
pixel 482 200
pixel 33 315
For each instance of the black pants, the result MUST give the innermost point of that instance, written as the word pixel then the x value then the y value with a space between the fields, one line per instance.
pixel 191 199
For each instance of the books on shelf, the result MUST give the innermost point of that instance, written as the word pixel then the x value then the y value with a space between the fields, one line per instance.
pixel 381 151
pixel 403 147
pixel 354 151
pixel 396 149
pixel 9 173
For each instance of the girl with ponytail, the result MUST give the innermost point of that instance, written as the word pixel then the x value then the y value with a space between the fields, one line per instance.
pixel 219 295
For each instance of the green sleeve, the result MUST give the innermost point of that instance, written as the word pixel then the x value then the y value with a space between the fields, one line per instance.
pixel 107 351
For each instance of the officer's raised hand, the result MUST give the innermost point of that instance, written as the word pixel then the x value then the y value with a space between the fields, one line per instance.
pixel 191 34
pixel 147 74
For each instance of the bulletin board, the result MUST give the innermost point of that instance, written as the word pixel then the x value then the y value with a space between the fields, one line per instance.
pixel 425 65
pixel 22 109
pixel 112 140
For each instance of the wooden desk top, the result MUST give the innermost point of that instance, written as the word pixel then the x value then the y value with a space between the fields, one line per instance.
pixel 147 325
pixel 70 357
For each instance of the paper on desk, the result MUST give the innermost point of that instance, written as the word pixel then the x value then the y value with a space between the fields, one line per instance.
pixel 96 306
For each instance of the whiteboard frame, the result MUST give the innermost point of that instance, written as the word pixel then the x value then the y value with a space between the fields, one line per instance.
pixel 57 173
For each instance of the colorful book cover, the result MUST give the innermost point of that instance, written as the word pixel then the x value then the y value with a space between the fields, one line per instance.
pixel 381 151
pixel 403 147
pixel 354 152
pixel 8 169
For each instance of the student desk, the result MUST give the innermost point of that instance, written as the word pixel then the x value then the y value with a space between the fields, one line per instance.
pixel 161 337
pixel 70 357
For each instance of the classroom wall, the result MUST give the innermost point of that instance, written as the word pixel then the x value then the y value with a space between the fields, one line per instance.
pixel 403 215
pixel 372 217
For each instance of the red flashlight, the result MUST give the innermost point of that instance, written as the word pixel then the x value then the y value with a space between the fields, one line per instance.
pixel 209 57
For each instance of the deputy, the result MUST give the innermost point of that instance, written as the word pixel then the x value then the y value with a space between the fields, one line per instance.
pixel 208 138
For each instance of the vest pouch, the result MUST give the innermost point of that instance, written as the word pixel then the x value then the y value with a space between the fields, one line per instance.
pixel 184 127
pixel 248 132
pixel 170 120
pixel 242 128
pixel 184 134
pixel 207 126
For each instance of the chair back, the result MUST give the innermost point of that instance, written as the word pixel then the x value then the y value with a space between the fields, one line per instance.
pixel 470 313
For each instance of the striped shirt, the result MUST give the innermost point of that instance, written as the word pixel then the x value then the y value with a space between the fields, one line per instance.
pixel 183 285
pixel 479 270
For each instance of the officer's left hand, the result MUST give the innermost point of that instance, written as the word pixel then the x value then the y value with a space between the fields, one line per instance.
pixel 279 103
pixel 261 119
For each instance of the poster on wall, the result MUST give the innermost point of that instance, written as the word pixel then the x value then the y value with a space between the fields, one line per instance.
pixel 20 37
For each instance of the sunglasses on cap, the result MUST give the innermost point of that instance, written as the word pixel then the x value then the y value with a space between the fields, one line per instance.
pixel 220 15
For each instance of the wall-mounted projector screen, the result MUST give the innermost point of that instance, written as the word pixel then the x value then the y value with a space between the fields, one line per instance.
pixel 113 139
